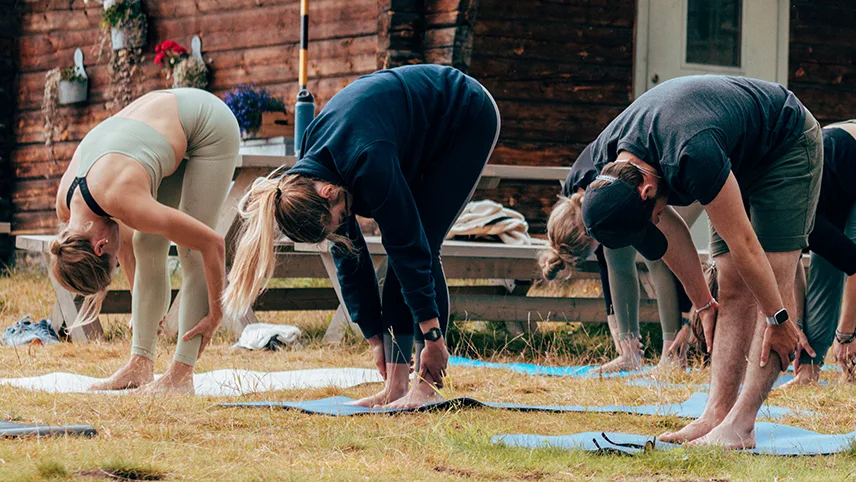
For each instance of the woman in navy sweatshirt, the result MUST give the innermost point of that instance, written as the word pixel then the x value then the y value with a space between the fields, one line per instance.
pixel 405 147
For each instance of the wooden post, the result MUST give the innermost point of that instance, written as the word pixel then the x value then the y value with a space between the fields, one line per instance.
pixel 400 31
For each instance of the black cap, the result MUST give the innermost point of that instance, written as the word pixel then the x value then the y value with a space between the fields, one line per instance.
pixel 616 216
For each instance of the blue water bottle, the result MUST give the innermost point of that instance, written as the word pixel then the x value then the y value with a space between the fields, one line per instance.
pixel 304 112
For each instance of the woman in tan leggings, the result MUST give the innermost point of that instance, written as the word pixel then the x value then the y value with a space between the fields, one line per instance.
pixel 158 171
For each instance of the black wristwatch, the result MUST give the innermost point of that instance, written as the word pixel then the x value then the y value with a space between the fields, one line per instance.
pixel 779 318
pixel 845 338
pixel 433 334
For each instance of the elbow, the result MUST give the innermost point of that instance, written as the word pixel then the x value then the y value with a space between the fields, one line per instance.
pixel 216 247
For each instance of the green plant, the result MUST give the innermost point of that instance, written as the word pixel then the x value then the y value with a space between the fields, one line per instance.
pixel 120 14
pixel 70 75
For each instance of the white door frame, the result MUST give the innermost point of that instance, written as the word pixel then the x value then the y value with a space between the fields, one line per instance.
pixel 640 55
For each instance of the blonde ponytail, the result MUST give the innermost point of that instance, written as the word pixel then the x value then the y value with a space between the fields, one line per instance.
pixel 255 254
pixel 569 241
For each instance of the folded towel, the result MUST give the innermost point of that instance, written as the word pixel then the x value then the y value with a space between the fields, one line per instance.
pixel 487 218
pixel 272 337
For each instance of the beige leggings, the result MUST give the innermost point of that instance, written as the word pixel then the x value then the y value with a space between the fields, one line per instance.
pixel 198 188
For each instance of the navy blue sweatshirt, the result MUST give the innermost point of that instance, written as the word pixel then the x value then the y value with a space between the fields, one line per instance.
pixel 837 199
pixel 375 138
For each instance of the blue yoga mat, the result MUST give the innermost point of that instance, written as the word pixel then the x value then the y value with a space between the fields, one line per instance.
pixel 10 429
pixel 583 371
pixel 647 382
pixel 770 438
pixel 336 406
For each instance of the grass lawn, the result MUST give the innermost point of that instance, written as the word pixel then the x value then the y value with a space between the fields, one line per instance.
pixel 185 438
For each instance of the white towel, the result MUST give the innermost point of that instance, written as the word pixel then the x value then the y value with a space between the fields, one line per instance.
pixel 222 383
pixel 486 218
pixel 257 336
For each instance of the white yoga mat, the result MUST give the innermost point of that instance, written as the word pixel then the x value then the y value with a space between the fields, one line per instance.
pixel 223 383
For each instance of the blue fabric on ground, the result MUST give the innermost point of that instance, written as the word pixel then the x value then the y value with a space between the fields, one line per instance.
pixel 647 382
pixel 770 438
pixel 336 406
pixel 583 371
pixel 25 331
pixel 9 429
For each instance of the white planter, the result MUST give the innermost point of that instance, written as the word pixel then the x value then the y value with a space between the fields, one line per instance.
pixel 120 39
pixel 72 92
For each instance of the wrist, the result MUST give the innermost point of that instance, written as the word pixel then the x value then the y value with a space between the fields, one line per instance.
pixel 845 337
pixel 778 318
pixel 425 326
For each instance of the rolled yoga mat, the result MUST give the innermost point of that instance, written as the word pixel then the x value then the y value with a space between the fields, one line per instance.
pixel 10 429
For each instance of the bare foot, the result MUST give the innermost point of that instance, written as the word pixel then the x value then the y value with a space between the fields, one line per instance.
pixel 727 436
pixel 178 380
pixel 422 393
pixel 385 396
pixel 622 363
pixel 807 375
pixel 696 429
pixel 670 364
pixel 137 372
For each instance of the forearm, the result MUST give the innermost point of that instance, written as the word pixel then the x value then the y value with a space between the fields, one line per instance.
pixel 757 274
pixel 127 260
pixel 847 322
pixel 682 259
pixel 214 262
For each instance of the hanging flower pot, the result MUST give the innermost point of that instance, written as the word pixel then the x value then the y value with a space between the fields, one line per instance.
pixel 72 91
pixel 185 69
pixel 127 24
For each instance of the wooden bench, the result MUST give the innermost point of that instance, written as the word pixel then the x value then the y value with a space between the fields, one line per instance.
pixel 511 268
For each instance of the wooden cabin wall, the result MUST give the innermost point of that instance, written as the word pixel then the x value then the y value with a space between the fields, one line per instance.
pixel 247 41
pixel 560 72
pixel 822 64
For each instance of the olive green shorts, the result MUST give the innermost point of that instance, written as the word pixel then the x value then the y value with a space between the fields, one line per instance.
pixel 781 196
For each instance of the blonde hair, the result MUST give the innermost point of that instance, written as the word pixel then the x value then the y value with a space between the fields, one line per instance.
pixel 567 235
pixel 274 205
pixel 76 267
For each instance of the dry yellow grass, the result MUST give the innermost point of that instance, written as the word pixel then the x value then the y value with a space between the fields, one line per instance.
pixel 187 439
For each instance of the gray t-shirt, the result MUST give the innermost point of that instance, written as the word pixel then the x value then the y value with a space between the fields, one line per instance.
pixel 697 129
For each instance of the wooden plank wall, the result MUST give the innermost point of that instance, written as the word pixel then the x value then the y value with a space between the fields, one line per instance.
pixel 247 41
pixel 560 71
pixel 822 64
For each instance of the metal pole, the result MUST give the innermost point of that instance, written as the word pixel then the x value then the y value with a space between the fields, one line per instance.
pixel 304 107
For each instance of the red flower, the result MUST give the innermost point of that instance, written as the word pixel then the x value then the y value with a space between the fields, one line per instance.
pixel 168 45
pixel 179 50
pixel 159 58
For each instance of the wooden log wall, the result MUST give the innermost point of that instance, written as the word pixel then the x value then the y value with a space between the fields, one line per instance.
pixel 822 57
pixel 247 41
pixel 560 71
pixel 9 24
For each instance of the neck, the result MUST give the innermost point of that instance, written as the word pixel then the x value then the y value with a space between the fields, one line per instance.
pixel 80 216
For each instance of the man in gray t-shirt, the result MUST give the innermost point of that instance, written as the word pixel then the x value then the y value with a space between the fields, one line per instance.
pixel 743 148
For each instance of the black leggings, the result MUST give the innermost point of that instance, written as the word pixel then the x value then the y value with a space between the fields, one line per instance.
pixel 442 193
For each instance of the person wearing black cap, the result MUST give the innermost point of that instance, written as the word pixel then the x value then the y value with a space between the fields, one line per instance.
pixel 832 272
pixel 618 276
pixel 743 148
